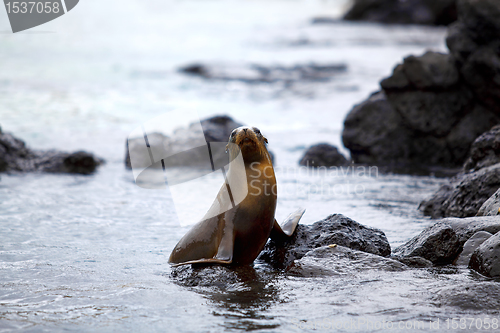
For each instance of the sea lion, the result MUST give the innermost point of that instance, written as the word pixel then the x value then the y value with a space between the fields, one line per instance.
pixel 238 235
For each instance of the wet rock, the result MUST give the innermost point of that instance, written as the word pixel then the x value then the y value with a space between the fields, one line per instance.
pixel 486 258
pixel 475 42
pixel 491 207
pixel 136 146
pixel 218 128
pixel 434 206
pixel 470 246
pixel 438 243
pixel 485 150
pixel 481 19
pixel 481 72
pixel 432 71
pixel 16 157
pixel 443 241
pixel 417 262
pixel 468 129
pixel 341 261
pixel 323 154
pixel 209 275
pixel 341 230
pixel 459 42
pixel 215 129
pixel 465 228
pixel 464 195
pixel 403 12
pixel 439 103
pixel 335 229
pixel 79 162
pixel 476 296
pixel 424 117
pixel 280 252
pixel 265 74
pixel 373 133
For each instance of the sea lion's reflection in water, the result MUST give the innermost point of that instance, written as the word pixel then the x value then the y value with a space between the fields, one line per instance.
pixel 240 294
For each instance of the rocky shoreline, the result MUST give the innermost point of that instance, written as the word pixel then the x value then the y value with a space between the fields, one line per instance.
pixel 15 157
pixel 433 107
pixel 426 12
pixel 436 112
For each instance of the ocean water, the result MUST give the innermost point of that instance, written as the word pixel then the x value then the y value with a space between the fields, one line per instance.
pixel 89 253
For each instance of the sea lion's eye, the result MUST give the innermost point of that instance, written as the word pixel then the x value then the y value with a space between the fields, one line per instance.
pixel 256 130
pixel 233 134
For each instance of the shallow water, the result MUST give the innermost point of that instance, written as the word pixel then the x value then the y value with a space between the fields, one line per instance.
pixel 90 252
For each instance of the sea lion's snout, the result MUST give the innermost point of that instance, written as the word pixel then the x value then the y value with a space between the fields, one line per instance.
pixel 251 143
pixel 247 135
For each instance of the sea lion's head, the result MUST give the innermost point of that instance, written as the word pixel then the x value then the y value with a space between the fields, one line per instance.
pixel 251 142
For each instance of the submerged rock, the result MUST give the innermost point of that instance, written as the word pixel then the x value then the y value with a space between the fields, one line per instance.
pixel 265 74
pixel 470 246
pixel 442 242
pixel 222 277
pixel 219 128
pixel 417 262
pixel 323 154
pixel 464 195
pixel 491 207
pixel 215 129
pixel 486 258
pixel 280 252
pixel 341 261
pixel 16 157
pixel 485 150
pixel 477 296
pixel 429 12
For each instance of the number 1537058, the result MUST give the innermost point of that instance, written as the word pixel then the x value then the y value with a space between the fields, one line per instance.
pixel 33 7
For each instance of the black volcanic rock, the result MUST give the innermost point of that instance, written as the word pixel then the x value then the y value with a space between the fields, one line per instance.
pixel 486 258
pixel 323 154
pixel 254 74
pixel 470 246
pixel 470 296
pixel 373 134
pixel 433 107
pixel 16 157
pixel 491 207
pixel 341 261
pixel 464 195
pixel 442 242
pixel 337 229
pixel 430 12
pixel 218 128
pixel 215 129
pixel 438 244
pixel 485 150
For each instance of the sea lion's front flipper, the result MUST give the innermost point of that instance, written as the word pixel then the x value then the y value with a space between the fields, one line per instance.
pixel 195 249
pixel 288 226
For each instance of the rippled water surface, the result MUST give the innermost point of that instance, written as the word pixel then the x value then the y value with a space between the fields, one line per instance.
pixel 89 253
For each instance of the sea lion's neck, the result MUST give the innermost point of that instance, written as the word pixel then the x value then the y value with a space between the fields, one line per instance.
pixel 257 156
